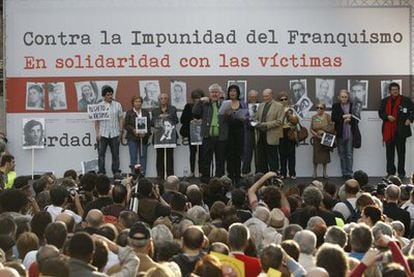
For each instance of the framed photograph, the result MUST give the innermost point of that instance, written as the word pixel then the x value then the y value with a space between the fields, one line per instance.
pixel 385 84
pixel 303 106
pixel 359 91
pixel 178 94
pixel 325 90
pixel 328 139
pixel 356 110
pixel 87 93
pixel 242 85
pixel 298 89
pixel 35 96
pixel 253 107
pixel 165 134
pixel 149 90
pixel 195 132
pixel 34 130
pixel 141 125
pixel 89 166
pixel 57 96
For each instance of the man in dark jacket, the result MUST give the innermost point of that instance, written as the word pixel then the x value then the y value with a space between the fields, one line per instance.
pixel 397 113
pixel 213 130
pixel 391 209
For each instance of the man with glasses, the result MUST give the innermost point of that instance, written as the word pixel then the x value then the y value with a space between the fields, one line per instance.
pixel 397 114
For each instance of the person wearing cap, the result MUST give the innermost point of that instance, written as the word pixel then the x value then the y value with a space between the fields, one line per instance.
pixel 140 239
pixel 22 183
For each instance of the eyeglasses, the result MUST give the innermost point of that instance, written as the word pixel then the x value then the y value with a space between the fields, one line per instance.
pixel 283 99
pixel 320 108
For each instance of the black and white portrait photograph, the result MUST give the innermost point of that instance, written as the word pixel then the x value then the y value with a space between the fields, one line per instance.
pixel 34 133
pixel 253 107
pixel 298 88
pixel 242 85
pixel 101 84
pixel 87 93
pixel 57 96
pixel 89 166
pixel 141 125
pixel 328 139
pixel 385 84
pixel 356 110
pixel 359 91
pixel 35 96
pixel 149 91
pixel 195 132
pixel 303 106
pixel 165 134
pixel 324 90
pixel 178 94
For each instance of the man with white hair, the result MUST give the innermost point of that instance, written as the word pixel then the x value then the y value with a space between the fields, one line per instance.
pixel 257 224
pixel 238 240
pixel 214 131
pixel 270 130
pixel 393 211
pixel 307 244
pixel 171 187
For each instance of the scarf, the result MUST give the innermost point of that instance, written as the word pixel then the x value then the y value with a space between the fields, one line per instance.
pixel 391 127
pixel 346 127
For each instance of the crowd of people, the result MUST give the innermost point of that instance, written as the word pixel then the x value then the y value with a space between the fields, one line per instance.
pixel 239 224
pixel 91 225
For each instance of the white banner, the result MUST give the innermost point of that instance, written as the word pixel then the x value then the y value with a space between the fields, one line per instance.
pixel 187 37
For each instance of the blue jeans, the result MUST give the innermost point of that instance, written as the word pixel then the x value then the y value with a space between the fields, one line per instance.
pixel 346 154
pixel 114 146
pixel 135 153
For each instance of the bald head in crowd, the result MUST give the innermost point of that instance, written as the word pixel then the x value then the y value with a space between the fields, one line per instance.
pixel 193 238
pixel 392 193
pixel 172 183
pixel 95 218
pixel 68 220
pixel 351 187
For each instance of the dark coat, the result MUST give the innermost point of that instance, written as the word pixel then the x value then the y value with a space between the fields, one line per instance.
pixel 337 114
pixel 204 111
pixel 394 212
pixel 405 111
pixel 130 125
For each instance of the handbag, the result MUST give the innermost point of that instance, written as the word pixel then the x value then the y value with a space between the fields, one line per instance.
pixel 298 135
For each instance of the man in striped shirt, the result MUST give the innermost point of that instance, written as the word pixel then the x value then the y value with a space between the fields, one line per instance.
pixel 108 131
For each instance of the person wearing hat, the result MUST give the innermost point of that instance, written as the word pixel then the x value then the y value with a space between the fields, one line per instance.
pixel 22 183
pixel 140 239
pixel 277 222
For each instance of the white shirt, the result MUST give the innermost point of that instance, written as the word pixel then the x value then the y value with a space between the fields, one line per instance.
pixel 110 128
pixel 343 209
pixel 307 261
pixel 55 211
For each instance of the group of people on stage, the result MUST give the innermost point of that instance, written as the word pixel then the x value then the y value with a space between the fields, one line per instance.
pixel 234 131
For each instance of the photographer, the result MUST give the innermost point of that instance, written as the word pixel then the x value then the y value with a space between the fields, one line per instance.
pixel 59 198
pixel 271 194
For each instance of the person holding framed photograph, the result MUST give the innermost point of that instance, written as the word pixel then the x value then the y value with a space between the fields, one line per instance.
pixel 321 123
pixel 346 127
pixel 167 115
pixel 137 140
pixel 186 118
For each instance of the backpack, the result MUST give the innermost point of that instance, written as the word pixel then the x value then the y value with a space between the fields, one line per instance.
pixel 355 216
